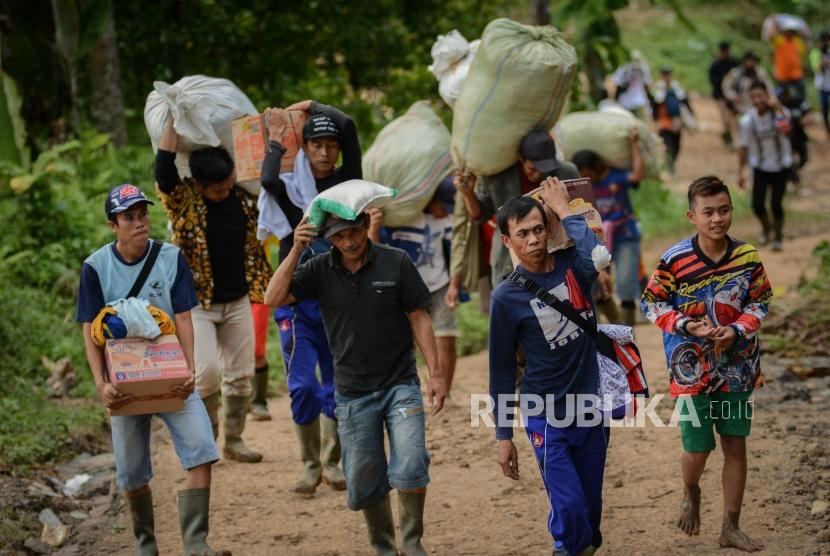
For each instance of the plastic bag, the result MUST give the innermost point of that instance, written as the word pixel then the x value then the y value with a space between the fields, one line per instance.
pixel 348 200
pixel 778 23
pixel 608 133
pixel 135 315
pixel 451 59
pixel 411 154
pixel 202 109
pixel 518 81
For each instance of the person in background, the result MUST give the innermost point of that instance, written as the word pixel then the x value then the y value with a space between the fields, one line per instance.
pixel 799 141
pixel 258 409
pixel 632 81
pixel 622 229
pixel 667 104
pixel 723 63
pixel 737 82
pixel 764 145
pixel 483 196
pixel 820 62
pixel 214 222
pixel 326 134
pixel 788 52
pixel 427 242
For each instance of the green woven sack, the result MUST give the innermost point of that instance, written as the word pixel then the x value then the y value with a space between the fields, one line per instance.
pixel 607 134
pixel 519 81
pixel 412 155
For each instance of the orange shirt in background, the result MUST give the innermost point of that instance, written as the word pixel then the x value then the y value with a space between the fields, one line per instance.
pixel 788 54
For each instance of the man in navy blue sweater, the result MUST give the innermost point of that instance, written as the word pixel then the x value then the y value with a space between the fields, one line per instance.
pixel 561 365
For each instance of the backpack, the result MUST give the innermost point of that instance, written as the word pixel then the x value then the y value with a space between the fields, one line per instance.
pixel 672 102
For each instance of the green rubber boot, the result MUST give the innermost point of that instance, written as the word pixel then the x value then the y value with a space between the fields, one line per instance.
pixel 330 454
pixel 194 517
pixel 259 401
pixel 411 512
pixel 312 474
pixel 236 410
pixel 141 512
pixel 378 517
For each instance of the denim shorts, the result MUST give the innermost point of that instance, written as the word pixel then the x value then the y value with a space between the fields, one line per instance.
pixel 360 422
pixel 627 269
pixel 192 438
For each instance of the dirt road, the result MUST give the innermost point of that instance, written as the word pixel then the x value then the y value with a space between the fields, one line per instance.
pixel 473 509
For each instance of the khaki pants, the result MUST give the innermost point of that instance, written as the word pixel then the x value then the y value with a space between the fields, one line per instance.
pixel 224 338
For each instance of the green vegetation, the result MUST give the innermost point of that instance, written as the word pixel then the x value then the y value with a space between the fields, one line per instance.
pixel 803 328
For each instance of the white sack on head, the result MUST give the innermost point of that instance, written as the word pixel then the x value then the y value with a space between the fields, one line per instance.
pixel 202 109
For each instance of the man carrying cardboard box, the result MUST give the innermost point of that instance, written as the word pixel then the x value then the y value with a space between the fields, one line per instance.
pixel 107 276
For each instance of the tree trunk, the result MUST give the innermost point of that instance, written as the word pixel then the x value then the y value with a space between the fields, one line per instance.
pixel 65 15
pixel 541 12
pixel 107 95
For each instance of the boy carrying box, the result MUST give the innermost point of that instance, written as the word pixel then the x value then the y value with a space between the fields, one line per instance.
pixel 709 294
pixel 108 275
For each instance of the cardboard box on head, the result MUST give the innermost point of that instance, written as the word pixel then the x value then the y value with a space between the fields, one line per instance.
pixel 250 136
pixel 146 369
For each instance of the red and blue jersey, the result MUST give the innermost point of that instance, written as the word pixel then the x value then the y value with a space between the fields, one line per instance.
pixel 734 291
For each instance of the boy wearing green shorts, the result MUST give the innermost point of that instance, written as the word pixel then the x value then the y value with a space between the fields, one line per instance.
pixel 709 294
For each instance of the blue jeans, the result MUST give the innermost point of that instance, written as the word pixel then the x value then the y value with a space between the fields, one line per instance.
pixel 304 347
pixel 572 463
pixel 627 266
pixel 192 438
pixel 360 422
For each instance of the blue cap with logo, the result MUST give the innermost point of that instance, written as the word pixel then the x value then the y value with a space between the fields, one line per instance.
pixel 122 197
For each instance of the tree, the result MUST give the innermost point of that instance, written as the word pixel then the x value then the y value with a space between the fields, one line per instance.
pixel 105 74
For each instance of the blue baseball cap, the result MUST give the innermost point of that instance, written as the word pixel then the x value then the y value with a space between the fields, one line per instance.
pixel 122 197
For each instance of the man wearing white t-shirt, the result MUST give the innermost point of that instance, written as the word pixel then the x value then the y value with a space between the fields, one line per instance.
pixel 765 146
pixel 427 242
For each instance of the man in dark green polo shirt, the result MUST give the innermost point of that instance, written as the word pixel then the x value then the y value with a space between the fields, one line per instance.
pixel 373 302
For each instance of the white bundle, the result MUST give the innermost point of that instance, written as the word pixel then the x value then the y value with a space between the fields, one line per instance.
pixel 202 109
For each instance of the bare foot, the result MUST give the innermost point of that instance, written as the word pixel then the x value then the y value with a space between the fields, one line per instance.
pixel 689 521
pixel 732 537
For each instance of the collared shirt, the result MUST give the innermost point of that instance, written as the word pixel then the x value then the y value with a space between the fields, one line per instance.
pixel 187 210
pixel 768 149
pixel 366 315
pixel 734 291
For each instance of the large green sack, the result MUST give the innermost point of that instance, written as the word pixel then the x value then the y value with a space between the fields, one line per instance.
pixel 608 134
pixel 411 154
pixel 518 81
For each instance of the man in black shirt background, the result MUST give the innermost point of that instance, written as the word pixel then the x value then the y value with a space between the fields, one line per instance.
pixel 720 66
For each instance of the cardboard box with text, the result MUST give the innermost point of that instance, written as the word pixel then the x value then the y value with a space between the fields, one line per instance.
pixel 146 369
pixel 250 137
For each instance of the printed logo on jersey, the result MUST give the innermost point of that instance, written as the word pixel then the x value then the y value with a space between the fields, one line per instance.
pixel 558 329
pixel 538 440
